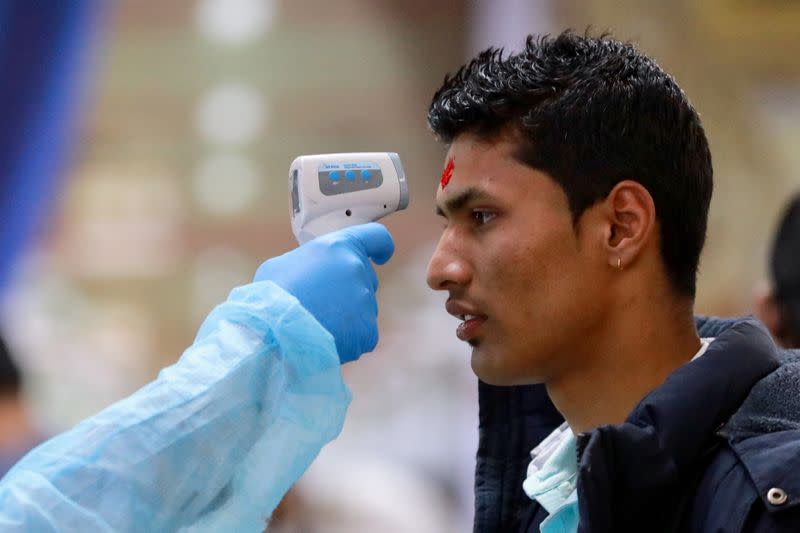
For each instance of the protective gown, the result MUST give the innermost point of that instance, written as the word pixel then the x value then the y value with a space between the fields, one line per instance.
pixel 211 445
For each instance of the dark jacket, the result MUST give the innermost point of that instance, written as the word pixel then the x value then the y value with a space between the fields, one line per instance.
pixel 701 453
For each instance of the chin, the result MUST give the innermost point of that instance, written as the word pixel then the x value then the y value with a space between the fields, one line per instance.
pixel 483 365
pixel 491 370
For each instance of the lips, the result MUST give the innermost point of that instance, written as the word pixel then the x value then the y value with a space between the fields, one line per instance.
pixel 471 319
pixel 469 329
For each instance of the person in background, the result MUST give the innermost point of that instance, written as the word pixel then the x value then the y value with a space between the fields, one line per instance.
pixel 17 433
pixel 778 306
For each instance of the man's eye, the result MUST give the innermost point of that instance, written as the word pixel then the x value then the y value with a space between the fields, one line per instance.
pixel 482 217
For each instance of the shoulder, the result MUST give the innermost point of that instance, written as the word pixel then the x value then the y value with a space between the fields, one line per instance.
pixel 751 485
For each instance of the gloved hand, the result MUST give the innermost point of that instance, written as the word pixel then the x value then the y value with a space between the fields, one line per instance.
pixel 333 279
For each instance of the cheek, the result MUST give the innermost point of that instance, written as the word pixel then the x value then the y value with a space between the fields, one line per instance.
pixel 544 278
pixel 540 258
pixel 512 279
pixel 507 265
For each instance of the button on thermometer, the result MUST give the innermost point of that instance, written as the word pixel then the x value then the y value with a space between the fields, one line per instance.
pixel 333 191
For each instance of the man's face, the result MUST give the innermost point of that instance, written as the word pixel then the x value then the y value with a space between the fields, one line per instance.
pixel 511 258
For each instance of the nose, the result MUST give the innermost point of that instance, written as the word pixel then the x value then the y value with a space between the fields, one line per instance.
pixel 448 266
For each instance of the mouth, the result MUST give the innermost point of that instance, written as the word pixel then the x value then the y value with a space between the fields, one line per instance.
pixel 469 328
pixel 471 320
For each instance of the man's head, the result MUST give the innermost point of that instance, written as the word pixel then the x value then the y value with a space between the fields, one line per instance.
pixel 779 307
pixel 571 159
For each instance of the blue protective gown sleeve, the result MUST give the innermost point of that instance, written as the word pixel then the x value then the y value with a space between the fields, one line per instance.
pixel 211 445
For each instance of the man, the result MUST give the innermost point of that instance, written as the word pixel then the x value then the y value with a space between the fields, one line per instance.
pixel 779 306
pixel 575 198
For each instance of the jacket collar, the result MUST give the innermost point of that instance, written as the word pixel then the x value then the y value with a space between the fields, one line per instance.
pixel 700 396
pixel 665 444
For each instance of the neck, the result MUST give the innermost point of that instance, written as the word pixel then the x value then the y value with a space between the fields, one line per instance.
pixel 632 353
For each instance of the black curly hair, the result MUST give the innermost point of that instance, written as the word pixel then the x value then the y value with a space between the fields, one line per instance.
pixel 591 112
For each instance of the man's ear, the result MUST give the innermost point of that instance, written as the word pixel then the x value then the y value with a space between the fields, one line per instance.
pixel 768 311
pixel 630 223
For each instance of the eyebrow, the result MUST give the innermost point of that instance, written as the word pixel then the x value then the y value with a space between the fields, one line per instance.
pixel 457 202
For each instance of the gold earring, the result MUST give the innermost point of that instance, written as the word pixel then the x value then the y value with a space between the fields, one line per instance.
pixel 619 263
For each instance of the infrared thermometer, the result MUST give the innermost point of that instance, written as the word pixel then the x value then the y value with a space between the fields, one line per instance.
pixel 333 191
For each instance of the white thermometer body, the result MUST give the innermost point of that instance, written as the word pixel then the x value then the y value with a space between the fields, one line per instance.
pixel 329 192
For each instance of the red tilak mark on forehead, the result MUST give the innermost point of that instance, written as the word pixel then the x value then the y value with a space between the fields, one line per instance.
pixel 448 172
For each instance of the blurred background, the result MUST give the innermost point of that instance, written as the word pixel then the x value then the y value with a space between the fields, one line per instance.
pixel 156 180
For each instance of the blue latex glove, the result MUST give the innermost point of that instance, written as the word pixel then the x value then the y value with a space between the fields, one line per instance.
pixel 333 278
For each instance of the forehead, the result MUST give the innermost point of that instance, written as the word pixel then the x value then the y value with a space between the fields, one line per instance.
pixel 487 167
